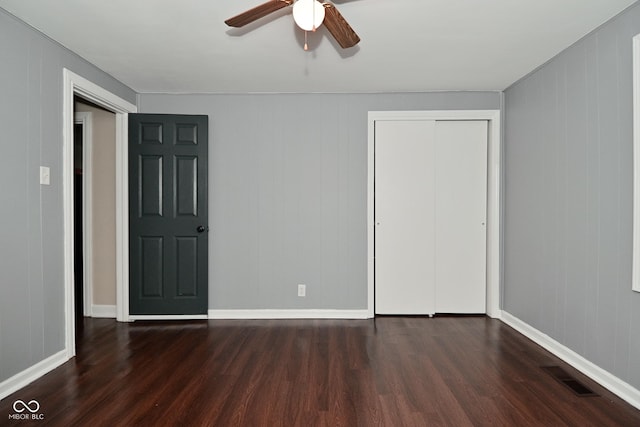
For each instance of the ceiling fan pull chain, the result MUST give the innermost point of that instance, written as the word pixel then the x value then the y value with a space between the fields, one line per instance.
pixel 306 46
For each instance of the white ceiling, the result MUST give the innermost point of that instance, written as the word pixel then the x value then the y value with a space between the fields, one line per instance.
pixel 183 46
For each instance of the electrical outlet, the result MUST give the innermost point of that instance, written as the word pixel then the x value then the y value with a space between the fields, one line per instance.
pixel 302 290
pixel 45 175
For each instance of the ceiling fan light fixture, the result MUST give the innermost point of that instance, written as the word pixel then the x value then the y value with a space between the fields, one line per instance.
pixel 308 14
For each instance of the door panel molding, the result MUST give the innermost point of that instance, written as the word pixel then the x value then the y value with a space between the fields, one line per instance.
pixel 493 194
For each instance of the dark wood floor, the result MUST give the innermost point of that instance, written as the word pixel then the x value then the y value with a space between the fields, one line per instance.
pixel 391 371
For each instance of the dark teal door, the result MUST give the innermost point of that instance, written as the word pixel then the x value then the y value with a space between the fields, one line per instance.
pixel 168 218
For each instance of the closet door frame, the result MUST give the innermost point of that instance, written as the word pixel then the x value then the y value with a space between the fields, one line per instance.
pixel 494 168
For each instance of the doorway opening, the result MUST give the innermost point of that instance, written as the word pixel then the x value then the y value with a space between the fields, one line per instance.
pixel 80 220
pixel 75 85
pixel 94 212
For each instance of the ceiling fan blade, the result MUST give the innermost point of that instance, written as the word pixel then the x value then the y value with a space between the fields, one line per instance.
pixel 339 27
pixel 257 12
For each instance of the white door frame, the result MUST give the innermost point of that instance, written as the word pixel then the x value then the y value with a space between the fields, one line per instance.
pixel 74 84
pixel 493 194
pixel 86 120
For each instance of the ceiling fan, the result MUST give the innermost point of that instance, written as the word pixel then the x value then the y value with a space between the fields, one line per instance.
pixel 308 15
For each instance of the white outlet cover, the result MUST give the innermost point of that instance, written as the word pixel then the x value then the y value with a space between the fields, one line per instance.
pixel 45 175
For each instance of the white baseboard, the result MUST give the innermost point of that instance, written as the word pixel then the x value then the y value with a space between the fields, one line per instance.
pixel 31 374
pixel 593 371
pixel 289 314
pixel 134 317
pixel 103 311
pixel 495 314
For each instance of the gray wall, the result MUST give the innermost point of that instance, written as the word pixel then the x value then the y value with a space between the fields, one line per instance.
pixel 288 191
pixel 568 219
pixel 31 234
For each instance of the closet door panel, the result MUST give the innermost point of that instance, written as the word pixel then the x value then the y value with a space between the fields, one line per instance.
pixel 460 212
pixel 404 217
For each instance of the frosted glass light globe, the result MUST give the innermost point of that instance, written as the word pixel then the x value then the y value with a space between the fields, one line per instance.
pixel 308 14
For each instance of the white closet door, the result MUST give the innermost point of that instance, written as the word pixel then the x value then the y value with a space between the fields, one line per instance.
pixel 404 217
pixel 461 210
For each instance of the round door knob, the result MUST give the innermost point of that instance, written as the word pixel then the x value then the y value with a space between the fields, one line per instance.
pixel 201 229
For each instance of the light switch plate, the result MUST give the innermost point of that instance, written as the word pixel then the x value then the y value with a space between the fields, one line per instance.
pixel 45 176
